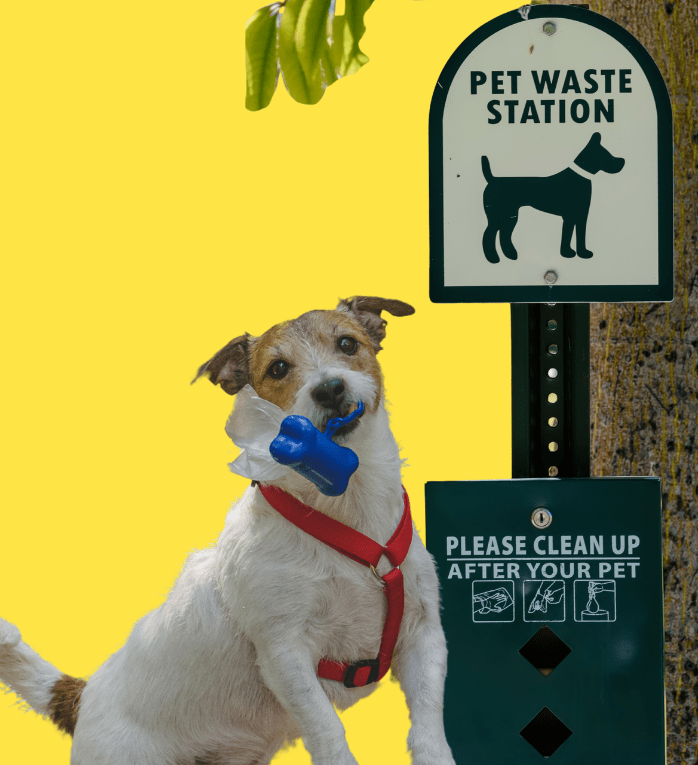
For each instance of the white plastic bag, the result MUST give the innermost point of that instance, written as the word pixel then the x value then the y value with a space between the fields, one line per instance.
pixel 253 424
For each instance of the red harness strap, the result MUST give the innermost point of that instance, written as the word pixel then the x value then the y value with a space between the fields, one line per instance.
pixel 363 550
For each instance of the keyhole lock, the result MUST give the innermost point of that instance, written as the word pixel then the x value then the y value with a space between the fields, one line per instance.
pixel 541 518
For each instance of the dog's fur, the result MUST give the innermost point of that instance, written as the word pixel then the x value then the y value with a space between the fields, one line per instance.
pixel 567 194
pixel 225 671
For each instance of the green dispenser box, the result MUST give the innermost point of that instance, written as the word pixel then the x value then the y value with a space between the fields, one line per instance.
pixel 552 608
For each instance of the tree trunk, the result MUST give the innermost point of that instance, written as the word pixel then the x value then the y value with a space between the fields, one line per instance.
pixel 644 409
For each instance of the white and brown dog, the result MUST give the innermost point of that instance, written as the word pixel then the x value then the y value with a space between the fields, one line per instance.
pixel 226 670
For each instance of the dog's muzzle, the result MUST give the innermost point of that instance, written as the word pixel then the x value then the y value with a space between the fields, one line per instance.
pixel 332 398
pixel 330 394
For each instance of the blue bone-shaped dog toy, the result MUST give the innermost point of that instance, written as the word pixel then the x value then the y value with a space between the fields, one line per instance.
pixel 314 455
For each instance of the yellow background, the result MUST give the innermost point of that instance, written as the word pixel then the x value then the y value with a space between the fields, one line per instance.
pixel 146 218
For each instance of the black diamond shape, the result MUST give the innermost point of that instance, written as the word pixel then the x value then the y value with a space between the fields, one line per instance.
pixel 545 733
pixel 545 650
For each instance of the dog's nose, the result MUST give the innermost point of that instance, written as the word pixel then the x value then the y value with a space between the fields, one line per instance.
pixel 330 393
pixel 616 165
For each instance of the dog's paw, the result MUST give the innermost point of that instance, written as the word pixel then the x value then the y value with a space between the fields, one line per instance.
pixel 508 249
pixel 9 635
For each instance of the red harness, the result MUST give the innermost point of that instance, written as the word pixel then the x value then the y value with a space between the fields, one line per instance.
pixel 363 550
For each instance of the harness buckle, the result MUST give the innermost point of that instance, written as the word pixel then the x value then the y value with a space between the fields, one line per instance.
pixel 352 669
pixel 378 576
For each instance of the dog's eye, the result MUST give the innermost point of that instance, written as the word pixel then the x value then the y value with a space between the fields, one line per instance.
pixel 278 369
pixel 347 345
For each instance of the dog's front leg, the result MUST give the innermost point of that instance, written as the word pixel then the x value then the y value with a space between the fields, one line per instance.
pixel 581 229
pixel 566 242
pixel 420 666
pixel 291 675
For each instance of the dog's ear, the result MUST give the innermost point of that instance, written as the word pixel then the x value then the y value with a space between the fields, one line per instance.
pixel 367 310
pixel 230 367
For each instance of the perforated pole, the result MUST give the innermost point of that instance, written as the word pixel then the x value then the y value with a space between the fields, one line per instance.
pixel 550 390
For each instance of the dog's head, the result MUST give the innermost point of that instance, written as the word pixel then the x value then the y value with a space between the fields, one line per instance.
pixel 319 365
pixel 595 157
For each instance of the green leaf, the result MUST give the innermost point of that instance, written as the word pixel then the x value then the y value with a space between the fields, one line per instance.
pixel 327 64
pixel 260 58
pixel 301 50
pixel 311 34
pixel 337 47
pixel 304 88
pixel 347 32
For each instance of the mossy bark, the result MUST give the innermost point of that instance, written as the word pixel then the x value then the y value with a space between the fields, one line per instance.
pixel 644 408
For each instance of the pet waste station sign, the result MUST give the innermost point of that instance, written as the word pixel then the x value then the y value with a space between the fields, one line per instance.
pixel 550 164
pixel 550 142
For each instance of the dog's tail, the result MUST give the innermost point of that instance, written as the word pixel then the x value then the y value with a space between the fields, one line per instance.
pixel 486 169
pixel 45 689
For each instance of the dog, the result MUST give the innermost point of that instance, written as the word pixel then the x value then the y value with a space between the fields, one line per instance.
pixel 567 194
pixel 225 672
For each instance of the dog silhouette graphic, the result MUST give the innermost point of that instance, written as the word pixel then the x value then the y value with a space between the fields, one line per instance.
pixel 567 194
